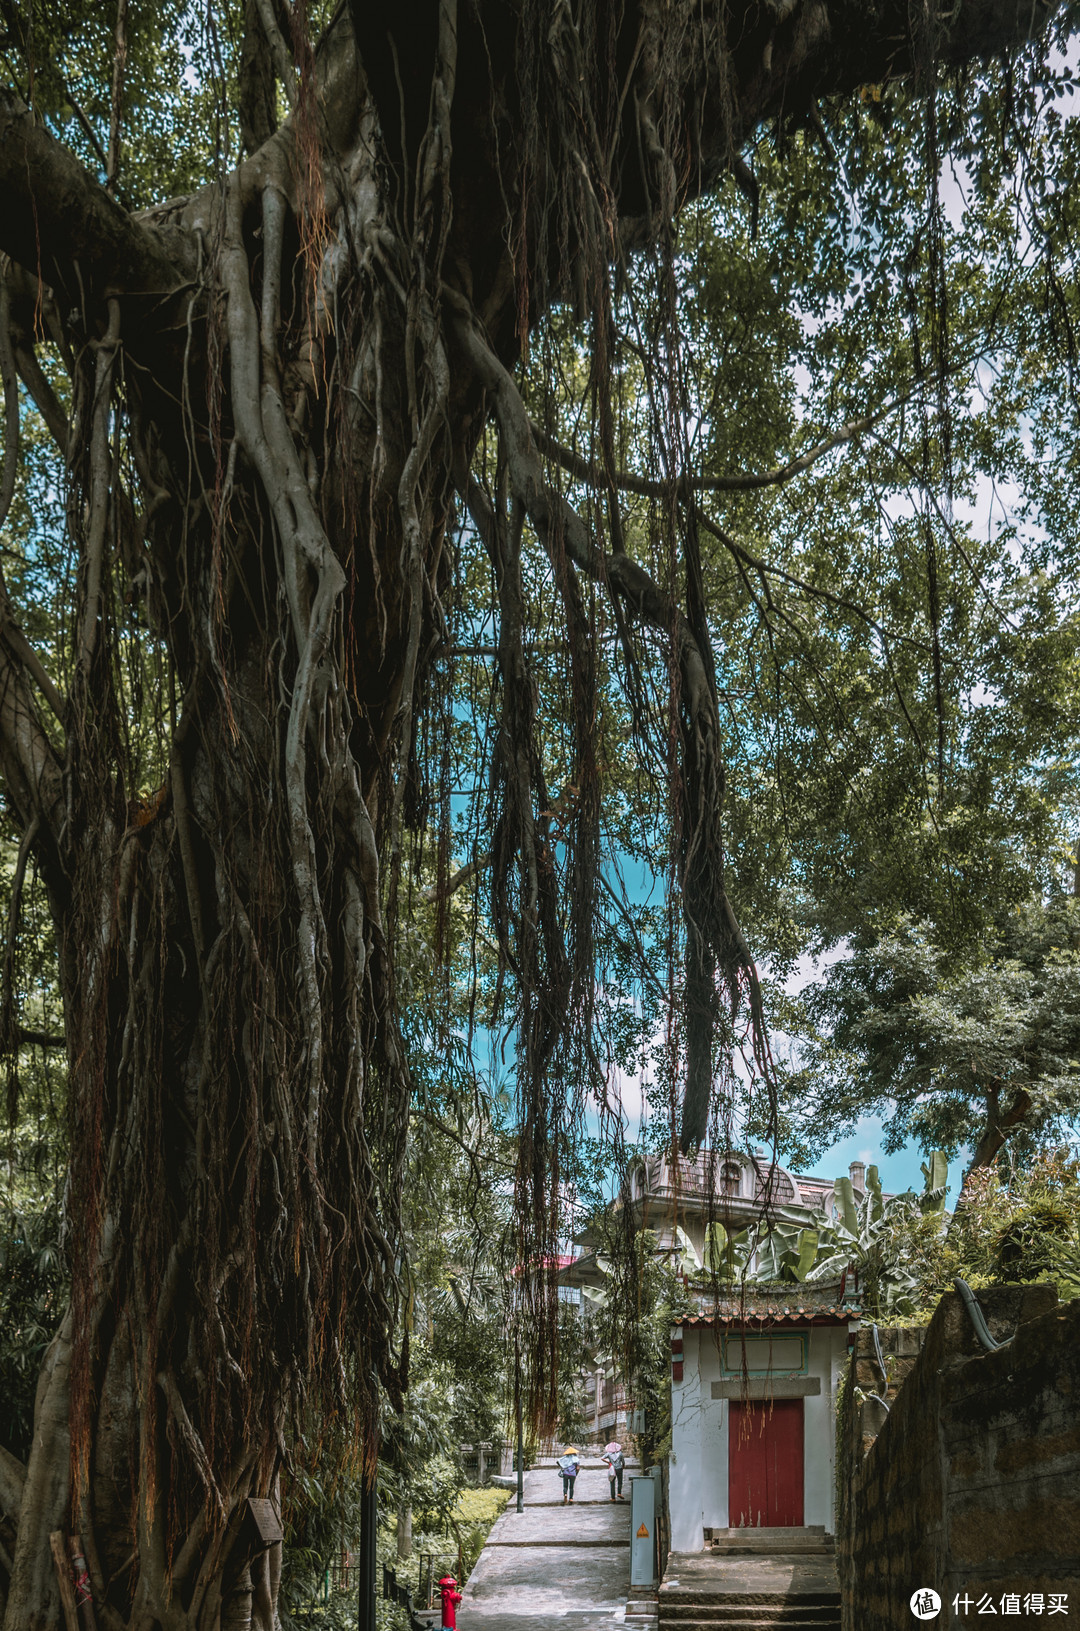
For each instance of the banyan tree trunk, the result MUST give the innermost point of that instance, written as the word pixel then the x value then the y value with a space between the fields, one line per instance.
pixel 269 515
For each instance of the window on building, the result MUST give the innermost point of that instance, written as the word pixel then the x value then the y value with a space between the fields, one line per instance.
pixel 730 1178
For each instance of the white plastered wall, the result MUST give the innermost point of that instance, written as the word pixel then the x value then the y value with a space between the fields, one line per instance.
pixel 698 1486
pixel 828 1348
pixel 687 1434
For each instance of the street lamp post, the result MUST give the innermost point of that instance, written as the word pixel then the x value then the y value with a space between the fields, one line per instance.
pixel 520 1434
pixel 369 1518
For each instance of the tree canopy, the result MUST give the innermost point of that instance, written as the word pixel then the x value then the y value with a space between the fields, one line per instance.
pixel 460 458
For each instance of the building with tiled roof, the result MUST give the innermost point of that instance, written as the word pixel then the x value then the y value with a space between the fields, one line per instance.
pixel 754 1384
pixel 731 1186
pixel 755 1370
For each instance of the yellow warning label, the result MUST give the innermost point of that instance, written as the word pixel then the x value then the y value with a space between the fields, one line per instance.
pixel 643 1533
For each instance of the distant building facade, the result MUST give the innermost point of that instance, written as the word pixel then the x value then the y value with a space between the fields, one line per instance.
pixel 754 1376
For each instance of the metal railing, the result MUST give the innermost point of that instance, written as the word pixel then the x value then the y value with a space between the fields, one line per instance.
pixel 394 1592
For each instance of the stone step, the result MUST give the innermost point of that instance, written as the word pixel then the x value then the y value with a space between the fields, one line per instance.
pixel 722 1610
pixel 739 1609
pixel 674 1604
pixel 751 1620
pixel 727 1612
pixel 750 1583
pixel 579 1500
pixel 788 1541
pixel 588 1465
pixel 790 1549
pixel 765 1529
pixel 714 1607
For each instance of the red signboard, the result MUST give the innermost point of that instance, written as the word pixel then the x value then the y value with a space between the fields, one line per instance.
pixel 765 1463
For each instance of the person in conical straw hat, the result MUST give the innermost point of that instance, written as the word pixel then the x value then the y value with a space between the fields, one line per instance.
pixel 615 1461
pixel 568 1465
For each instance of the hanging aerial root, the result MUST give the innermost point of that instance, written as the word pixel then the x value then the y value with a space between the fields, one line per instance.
pixel 718 959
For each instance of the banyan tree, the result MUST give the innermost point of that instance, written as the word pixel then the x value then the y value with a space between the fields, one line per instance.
pixel 273 395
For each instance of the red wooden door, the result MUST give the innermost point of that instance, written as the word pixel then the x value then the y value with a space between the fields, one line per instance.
pixel 765 1463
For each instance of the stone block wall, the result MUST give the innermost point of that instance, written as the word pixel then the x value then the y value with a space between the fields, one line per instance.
pixel 970 1484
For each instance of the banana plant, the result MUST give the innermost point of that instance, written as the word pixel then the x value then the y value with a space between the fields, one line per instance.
pixel 797 1261
pixel 936 1175
pixel 756 1254
pixel 862 1233
pixel 726 1255
pixel 729 1253
pixel 790 1247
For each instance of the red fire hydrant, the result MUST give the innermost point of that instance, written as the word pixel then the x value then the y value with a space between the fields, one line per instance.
pixel 451 1597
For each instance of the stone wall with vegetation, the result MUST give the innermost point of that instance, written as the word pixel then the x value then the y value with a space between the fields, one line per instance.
pixel 970 1483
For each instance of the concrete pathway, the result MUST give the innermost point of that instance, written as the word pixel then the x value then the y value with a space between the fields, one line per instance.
pixel 555 1562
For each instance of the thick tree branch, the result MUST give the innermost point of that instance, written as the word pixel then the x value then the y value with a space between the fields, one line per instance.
pixel 457 880
pixel 38 1039
pixel 683 486
pixel 998 1125
pixel 31 769
pixel 995 1135
pixel 56 215
pixel 9 628
pixel 41 392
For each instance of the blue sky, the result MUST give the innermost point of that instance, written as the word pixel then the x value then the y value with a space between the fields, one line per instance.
pixel 898 1172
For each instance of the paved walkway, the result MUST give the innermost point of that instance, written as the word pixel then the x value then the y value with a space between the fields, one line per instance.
pixel 567 1563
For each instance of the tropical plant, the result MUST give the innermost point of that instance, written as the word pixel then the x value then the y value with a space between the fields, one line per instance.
pixel 859 1234
pixel 862 1236
pixel 767 1250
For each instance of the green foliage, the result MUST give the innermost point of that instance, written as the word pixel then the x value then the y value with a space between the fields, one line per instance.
pixel 1022 1224
pixel 897 667
pixel 179 114
pixel 908 1028
pixel 474 1512
pixel 321 1513
pixel 1029 1245
pixel 766 1251
pixel 33 1292
pixel 868 1233
pixel 863 1233
pixel 421 1471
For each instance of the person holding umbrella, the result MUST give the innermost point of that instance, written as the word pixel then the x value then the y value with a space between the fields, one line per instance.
pixel 615 1461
